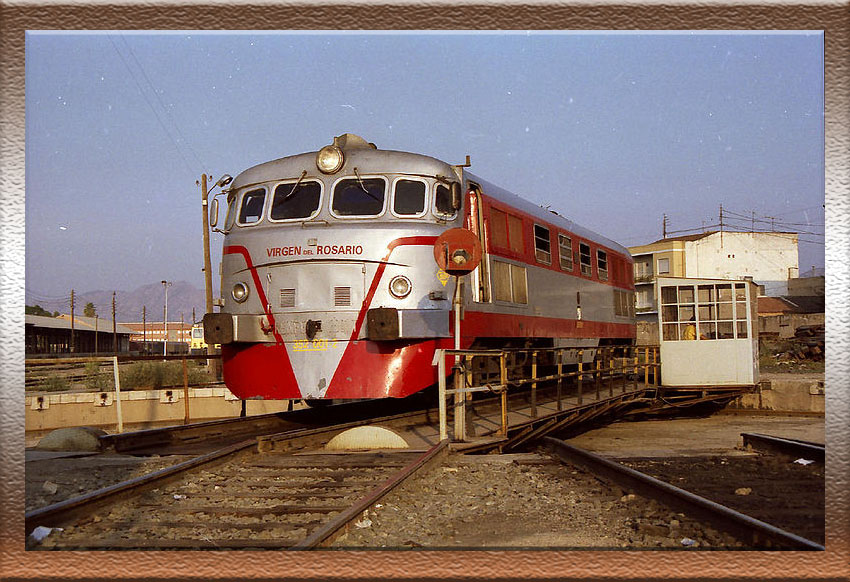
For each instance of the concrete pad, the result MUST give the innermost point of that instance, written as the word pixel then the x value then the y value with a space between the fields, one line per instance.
pixel 367 437
pixel 78 438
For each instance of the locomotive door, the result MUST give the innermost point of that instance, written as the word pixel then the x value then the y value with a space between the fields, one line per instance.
pixel 481 275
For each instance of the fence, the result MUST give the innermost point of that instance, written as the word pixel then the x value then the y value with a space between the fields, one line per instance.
pixel 608 365
pixel 116 377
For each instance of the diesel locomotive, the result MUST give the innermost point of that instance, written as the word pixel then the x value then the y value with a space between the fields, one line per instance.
pixel 330 289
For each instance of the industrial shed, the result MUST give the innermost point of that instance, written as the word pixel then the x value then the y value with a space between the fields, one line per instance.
pixel 52 335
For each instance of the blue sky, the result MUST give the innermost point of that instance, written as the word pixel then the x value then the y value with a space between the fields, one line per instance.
pixel 612 130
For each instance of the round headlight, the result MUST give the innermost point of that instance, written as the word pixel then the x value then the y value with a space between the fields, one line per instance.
pixel 329 159
pixel 239 292
pixel 400 286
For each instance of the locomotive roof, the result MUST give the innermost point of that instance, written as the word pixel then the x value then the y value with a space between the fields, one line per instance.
pixel 366 159
pixel 545 215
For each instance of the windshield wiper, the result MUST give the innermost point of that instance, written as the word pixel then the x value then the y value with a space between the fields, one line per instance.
pixel 363 186
pixel 295 186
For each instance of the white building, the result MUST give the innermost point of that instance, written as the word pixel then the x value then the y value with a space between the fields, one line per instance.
pixel 770 258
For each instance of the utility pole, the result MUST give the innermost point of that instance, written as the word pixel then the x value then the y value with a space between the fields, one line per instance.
pixel 664 227
pixel 182 330
pixel 208 299
pixel 166 285
pixel 144 335
pixel 721 226
pixel 71 347
pixel 96 317
pixel 114 332
pixel 207 264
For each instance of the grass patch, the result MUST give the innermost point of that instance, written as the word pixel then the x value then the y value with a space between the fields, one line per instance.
pixel 154 375
pixel 54 384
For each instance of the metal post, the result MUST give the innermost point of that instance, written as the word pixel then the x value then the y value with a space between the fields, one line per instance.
pixel 459 399
pixel 460 404
pixel 637 364
pixel 560 354
pixel 654 367
pixel 646 366
pixel 185 391
pixel 581 375
pixel 117 394
pixel 503 378
pixel 534 384
pixel 597 378
pixel 441 382
pixel 610 368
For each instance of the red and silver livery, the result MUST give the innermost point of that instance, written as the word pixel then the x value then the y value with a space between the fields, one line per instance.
pixel 330 289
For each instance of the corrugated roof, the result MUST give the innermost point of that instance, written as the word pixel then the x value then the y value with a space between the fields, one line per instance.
pixel 775 305
pixel 80 323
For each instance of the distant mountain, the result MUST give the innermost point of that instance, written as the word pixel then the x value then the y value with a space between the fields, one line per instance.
pixel 182 297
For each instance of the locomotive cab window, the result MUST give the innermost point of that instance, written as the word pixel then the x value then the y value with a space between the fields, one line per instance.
pixel 602 264
pixel 542 246
pixel 359 197
pixel 584 259
pixel 409 198
pixel 296 200
pixel 253 202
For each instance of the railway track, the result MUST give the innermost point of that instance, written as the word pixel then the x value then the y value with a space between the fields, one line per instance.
pixel 235 498
pixel 785 446
pixel 759 534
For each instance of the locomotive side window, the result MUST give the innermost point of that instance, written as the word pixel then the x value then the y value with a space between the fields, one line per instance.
pixel 506 230
pixel 443 201
pixel 296 200
pixel 542 246
pixel 509 283
pixel 602 264
pixel 584 259
pixel 252 206
pixel 565 252
pixel 409 198
pixel 359 197
pixel 230 219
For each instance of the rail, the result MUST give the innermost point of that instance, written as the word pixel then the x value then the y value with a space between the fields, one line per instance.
pixel 785 446
pixel 720 516
pixel 609 365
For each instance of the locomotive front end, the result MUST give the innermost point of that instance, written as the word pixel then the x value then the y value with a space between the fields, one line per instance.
pixel 328 281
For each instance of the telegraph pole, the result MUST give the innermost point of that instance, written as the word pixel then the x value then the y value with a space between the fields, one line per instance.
pixel 664 227
pixel 207 265
pixel 721 226
pixel 144 338
pixel 72 322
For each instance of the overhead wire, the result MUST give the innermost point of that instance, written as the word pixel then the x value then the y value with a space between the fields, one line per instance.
pixel 161 104
pixel 147 100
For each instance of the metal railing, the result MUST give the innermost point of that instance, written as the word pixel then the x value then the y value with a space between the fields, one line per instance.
pixel 608 365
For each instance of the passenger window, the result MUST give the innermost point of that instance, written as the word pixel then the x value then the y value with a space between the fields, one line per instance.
pixel 409 198
pixel 602 264
pixel 584 259
pixel 542 246
pixel 363 197
pixel 252 206
pixel 296 200
pixel 565 252
pixel 443 200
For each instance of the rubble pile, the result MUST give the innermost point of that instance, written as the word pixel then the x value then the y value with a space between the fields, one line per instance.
pixel 807 344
